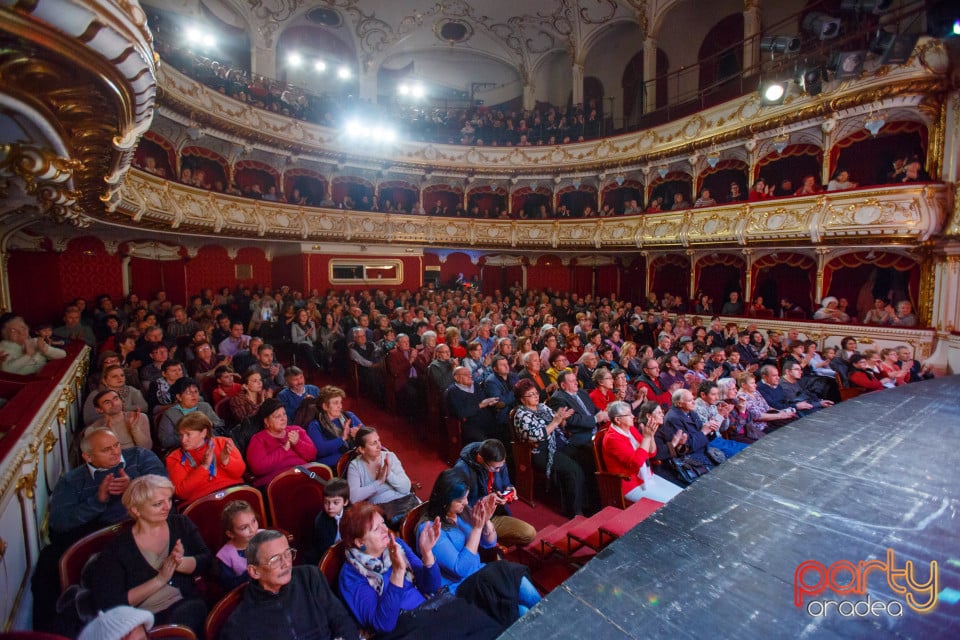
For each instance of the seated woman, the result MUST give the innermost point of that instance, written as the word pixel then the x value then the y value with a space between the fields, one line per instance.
pixel 890 367
pixel 384 583
pixel 203 464
pixel 246 403
pixel 535 422
pixel 377 476
pixel 152 565
pixel 239 522
pixel 278 446
pixel 463 534
pixel 333 430
pixel 761 413
pixel 862 375
pixel 115 379
pixel 829 311
pixel 626 451
pixel 603 393
pixel 186 394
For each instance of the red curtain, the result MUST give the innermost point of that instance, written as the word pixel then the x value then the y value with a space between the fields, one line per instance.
pixel 608 280
pixel 718 178
pixel 215 167
pixel 719 275
pixel 786 275
pixel 581 280
pixel 670 274
pixel 578 199
pixel 869 158
pixel 884 273
pixel 632 280
pixel 455 264
pixel 27 270
pixel 529 202
pixel 159 149
pixel 796 161
pixel 548 273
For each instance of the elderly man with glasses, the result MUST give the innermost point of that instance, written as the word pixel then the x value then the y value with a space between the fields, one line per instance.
pixel 284 601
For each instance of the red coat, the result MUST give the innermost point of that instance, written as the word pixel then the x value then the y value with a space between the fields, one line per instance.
pixel 190 483
pixel 620 457
pixel 860 378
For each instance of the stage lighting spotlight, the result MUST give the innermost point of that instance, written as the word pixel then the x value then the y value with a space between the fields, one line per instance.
pixel 780 44
pixel 417 91
pixel 821 26
pixel 353 128
pixel 811 79
pixel 193 35
pixel 848 64
pixel 294 59
pixel 320 66
pixel 773 91
pixel 866 6
pixel 403 89
pixel 343 73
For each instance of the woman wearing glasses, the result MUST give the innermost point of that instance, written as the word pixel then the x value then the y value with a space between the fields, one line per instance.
pixel 535 422
pixel 627 449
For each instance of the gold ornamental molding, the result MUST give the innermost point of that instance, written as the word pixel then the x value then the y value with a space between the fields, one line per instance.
pixel 88 72
pixel 907 213
pixel 736 121
pixel 47 177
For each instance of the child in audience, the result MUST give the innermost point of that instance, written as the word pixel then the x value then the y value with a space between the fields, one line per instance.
pixel 326 527
pixel 239 522
pixel 45 331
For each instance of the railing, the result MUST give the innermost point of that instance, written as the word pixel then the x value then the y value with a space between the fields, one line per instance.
pixel 37 425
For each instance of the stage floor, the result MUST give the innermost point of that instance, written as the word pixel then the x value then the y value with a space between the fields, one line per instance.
pixel 873 478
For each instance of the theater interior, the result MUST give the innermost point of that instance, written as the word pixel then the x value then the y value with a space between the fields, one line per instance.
pixel 634 154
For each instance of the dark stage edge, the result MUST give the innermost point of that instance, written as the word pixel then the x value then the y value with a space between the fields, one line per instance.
pixel 881 470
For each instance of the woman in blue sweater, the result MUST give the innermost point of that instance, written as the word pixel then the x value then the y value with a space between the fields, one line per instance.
pixel 392 591
pixel 333 429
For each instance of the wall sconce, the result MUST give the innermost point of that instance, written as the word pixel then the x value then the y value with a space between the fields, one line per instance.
pixel 533 185
pixel 780 143
pixel 713 159
pixel 620 180
pixel 576 183
pixel 873 124
pixel 662 171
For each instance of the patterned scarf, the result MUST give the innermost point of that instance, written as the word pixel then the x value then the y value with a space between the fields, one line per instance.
pixel 372 568
pixel 187 458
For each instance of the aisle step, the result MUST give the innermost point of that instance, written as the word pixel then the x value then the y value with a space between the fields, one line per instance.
pixel 627 519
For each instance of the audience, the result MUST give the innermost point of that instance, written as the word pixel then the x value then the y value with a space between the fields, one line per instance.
pixel 239 523
pixel 278 446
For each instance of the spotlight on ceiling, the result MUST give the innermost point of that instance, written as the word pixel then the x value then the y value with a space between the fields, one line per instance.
pixel 294 59
pixel 811 79
pixel 848 64
pixel 320 66
pixel 417 91
pixel 403 90
pixel 773 91
pixel 866 6
pixel 343 73
pixel 200 36
pixel 900 49
pixel 780 44
pixel 821 26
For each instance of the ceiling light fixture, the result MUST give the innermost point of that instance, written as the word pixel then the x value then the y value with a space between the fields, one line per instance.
pixel 320 66
pixel 781 142
pixel 821 25
pixel 343 73
pixel 294 60
pixel 780 44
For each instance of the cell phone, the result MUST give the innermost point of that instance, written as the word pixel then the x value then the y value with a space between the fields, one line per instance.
pixel 507 495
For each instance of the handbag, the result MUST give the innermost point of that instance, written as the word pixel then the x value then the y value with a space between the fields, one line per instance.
pixel 689 468
pixel 396 510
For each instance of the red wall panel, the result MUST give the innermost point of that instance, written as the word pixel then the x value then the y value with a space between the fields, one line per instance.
pixel 608 281
pixel 35 290
pixel 548 273
pixel 146 277
pixel 262 270
pixel 212 267
pixel 87 270
pixel 290 270
pixel 582 280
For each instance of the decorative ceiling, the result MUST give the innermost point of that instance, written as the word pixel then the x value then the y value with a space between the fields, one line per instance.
pixel 520 34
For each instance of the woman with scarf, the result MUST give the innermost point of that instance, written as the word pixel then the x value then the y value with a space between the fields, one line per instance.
pixel 203 463
pixel 333 429
pixel 396 593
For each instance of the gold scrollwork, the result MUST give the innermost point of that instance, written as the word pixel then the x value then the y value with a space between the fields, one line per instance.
pixel 47 176
pixel 27 484
pixel 49 441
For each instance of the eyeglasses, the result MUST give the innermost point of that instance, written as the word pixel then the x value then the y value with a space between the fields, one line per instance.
pixel 530 394
pixel 287 555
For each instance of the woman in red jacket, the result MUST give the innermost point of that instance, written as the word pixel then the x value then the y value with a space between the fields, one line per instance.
pixel 626 451
pixel 861 375
pixel 203 464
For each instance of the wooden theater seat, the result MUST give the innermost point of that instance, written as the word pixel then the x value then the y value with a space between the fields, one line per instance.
pixel 295 500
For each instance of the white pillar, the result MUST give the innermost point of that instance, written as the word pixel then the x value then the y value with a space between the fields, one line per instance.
pixel 946 291
pixel 649 74
pixel 263 61
pixel 576 72
pixel 529 96
pixel 751 35
pixel 368 86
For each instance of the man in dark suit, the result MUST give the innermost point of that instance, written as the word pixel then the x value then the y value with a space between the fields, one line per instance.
pixel 470 403
pixel 499 384
pixel 407 379
pixel 580 428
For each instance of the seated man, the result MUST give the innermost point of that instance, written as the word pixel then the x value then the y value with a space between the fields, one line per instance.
pixel 246 358
pixel 73 329
pixel 903 316
pixel 798 388
pixel 586 366
pixel 579 427
pixel 918 371
pixel 87 498
pixel 148 372
pixel 440 370
pixel 364 353
pixel 778 397
pixel 285 601
pixel 296 391
pixel 683 434
pixel 402 365
pixel 234 343
pixel 484 466
pixel 271 371
pixel 499 384
pixel 469 402
pixel 186 394
pixel 713 412
pixel 22 354
pixel 650 381
pixel 132 428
